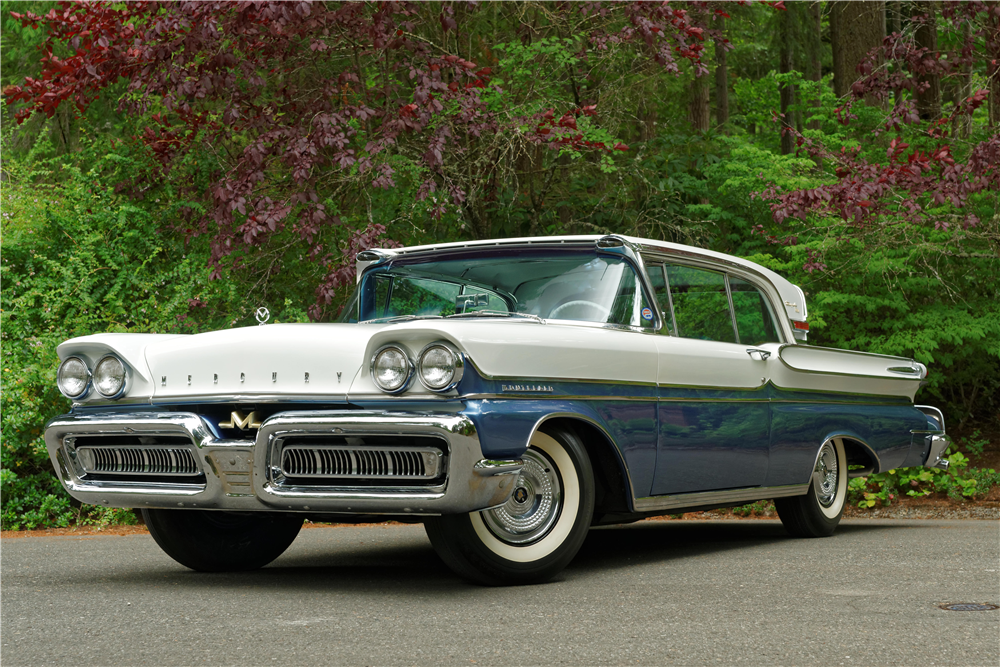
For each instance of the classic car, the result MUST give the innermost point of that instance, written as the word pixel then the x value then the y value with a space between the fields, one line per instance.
pixel 508 394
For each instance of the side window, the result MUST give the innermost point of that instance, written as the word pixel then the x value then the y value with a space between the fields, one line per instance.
pixel 754 319
pixel 420 296
pixel 701 304
pixel 659 282
pixel 630 307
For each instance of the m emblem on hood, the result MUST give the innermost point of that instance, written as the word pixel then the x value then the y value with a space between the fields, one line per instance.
pixel 236 420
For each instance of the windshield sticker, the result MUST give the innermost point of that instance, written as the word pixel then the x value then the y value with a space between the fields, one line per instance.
pixel 647 314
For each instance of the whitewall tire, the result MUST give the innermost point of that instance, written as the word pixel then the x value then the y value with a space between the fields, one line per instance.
pixel 538 531
pixel 818 513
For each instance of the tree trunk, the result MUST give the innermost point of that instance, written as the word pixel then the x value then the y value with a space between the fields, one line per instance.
pixel 855 29
pixel 698 109
pixel 815 55
pixel 963 91
pixel 786 89
pixel 721 80
pixel 929 100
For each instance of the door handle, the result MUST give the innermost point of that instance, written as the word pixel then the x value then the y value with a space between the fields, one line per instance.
pixel 761 354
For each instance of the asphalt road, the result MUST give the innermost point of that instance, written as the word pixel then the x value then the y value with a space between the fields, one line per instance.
pixel 677 593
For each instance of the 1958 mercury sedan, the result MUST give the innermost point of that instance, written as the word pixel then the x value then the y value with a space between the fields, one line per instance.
pixel 508 394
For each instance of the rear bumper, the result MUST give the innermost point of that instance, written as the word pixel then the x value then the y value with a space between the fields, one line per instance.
pixel 241 474
pixel 935 455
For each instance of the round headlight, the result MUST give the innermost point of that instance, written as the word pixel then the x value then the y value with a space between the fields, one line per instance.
pixel 439 367
pixel 391 369
pixel 73 377
pixel 109 377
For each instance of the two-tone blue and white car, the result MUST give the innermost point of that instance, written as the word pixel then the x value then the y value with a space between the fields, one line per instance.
pixel 508 394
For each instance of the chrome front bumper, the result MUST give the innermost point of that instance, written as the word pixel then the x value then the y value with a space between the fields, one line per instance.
pixel 240 474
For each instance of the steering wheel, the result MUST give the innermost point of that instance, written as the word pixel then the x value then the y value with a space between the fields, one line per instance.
pixel 601 312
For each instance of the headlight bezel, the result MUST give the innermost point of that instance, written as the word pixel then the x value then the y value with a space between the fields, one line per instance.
pixel 87 386
pixel 126 375
pixel 410 368
pixel 457 371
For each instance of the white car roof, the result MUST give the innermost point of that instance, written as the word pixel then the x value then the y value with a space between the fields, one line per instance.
pixel 791 295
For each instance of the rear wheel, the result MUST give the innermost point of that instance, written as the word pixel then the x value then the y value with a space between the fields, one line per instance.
pixel 818 513
pixel 538 531
pixel 212 541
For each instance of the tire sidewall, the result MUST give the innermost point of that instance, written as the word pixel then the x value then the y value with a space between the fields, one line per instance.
pixel 467 546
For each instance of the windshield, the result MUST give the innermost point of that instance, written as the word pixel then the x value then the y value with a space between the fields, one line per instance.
pixel 543 284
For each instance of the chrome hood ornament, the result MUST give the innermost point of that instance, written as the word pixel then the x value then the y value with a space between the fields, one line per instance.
pixel 263 315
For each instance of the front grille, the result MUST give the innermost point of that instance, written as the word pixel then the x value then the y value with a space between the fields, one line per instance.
pixel 130 457
pixel 332 461
pixel 137 460
pixel 365 460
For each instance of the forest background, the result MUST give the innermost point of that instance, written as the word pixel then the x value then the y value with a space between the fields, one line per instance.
pixel 169 167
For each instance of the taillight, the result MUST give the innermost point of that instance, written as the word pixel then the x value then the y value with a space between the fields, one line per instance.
pixel 804 326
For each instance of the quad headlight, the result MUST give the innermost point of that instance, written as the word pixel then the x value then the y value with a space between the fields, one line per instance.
pixel 73 377
pixel 439 367
pixel 391 369
pixel 110 376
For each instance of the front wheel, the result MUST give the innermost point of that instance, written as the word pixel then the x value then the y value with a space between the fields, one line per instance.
pixel 538 531
pixel 817 513
pixel 214 541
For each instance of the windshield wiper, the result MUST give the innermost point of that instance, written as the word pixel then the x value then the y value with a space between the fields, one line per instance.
pixel 401 318
pixel 497 313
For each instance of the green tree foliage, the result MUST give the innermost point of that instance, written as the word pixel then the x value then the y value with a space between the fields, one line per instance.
pixel 546 120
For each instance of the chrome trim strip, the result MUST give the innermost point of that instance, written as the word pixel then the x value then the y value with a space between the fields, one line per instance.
pixel 855 375
pixel 735 496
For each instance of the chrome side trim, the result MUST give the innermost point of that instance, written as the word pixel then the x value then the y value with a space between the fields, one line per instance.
pixel 734 496
pixel 854 375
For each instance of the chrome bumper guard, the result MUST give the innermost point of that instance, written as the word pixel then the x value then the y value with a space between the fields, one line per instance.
pixel 938 445
pixel 246 475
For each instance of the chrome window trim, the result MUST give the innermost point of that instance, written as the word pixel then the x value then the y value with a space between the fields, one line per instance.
pixel 743 272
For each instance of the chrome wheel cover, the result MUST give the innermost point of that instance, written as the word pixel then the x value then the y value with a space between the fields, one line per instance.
pixel 534 505
pixel 826 475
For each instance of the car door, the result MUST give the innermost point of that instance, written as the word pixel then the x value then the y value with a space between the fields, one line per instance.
pixel 712 372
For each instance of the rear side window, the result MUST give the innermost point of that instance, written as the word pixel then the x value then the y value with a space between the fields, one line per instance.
pixel 701 305
pixel 754 320
pixel 712 305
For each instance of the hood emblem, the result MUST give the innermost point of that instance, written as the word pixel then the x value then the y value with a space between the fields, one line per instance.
pixel 236 420
pixel 263 315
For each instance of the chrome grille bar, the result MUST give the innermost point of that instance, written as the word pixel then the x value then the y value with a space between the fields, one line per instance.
pixel 317 460
pixel 141 460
